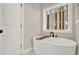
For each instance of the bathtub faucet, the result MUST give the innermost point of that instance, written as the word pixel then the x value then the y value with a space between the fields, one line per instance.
pixel 51 34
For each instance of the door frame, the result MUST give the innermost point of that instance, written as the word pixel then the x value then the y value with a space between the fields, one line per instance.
pixel 22 28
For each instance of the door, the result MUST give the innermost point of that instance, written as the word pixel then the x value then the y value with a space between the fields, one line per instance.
pixel 1 28
pixel 0 44
pixel 11 23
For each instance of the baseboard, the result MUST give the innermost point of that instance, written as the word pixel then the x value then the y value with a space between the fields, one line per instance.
pixel 27 50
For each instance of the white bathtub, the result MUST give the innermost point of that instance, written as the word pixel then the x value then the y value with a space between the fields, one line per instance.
pixel 54 46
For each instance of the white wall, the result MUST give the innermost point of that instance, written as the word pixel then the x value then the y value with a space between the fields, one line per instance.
pixel 65 35
pixel 77 35
pixel 77 24
pixel 32 17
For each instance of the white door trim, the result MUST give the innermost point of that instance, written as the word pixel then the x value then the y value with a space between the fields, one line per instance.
pixel 22 30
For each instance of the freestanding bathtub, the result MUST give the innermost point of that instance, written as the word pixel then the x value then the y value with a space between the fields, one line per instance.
pixel 54 46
